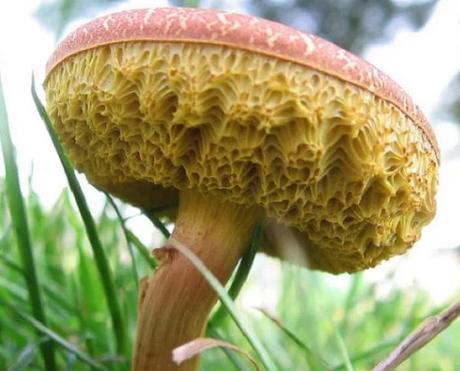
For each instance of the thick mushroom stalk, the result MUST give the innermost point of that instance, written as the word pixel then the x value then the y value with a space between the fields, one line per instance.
pixel 176 301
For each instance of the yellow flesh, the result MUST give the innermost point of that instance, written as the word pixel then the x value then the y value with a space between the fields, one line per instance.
pixel 347 169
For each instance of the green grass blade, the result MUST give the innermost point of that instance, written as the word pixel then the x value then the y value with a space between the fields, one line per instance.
pixel 244 327
pixel 4 237
pixel 344 352
pixel 100 257
pixel 157 223
pixel 241 274
pixel 57 339
pixel 17 292
pixel 128 242
pixel 315 361
pixel 235 360
pixel 52 293
pixel 21 228
pixel 370 353
pixel 350 301
pixel 27 355
pixel 142 249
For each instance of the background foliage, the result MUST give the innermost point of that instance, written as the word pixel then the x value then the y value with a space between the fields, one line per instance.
pixel 319 315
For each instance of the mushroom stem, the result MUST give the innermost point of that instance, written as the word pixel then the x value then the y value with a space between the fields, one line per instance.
pixel 175 302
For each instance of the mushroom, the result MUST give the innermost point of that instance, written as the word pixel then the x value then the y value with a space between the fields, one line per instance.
pixel 239 120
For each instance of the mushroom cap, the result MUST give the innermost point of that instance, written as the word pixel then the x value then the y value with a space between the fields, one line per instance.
pixel 151 101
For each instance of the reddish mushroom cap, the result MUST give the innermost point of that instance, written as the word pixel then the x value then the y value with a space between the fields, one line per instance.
pixel 242 32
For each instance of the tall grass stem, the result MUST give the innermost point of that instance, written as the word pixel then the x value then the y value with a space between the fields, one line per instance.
pixel 100 257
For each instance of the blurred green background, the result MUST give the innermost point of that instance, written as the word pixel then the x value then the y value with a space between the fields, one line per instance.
pixel 322 322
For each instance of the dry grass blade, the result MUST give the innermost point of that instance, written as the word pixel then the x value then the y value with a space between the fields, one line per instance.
pixel 197 346
pixel 428 330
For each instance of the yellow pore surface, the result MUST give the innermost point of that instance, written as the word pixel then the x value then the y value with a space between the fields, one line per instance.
pixel 346 168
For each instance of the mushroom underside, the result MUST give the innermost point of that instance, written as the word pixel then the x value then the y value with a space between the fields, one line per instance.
pixel 346 173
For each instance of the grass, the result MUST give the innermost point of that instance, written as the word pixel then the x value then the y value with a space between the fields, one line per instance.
pixel 21 228
pixel 227 301
pixel 85 282
pixel 48 335
pixel 100 258
pixel 241 275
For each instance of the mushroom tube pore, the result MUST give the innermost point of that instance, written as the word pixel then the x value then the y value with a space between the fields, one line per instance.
pixel 348 170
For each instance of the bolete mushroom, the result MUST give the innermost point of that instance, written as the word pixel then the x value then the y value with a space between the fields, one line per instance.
pixel 239 120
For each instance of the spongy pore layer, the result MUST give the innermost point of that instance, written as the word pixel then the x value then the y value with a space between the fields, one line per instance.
pixel 348 170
